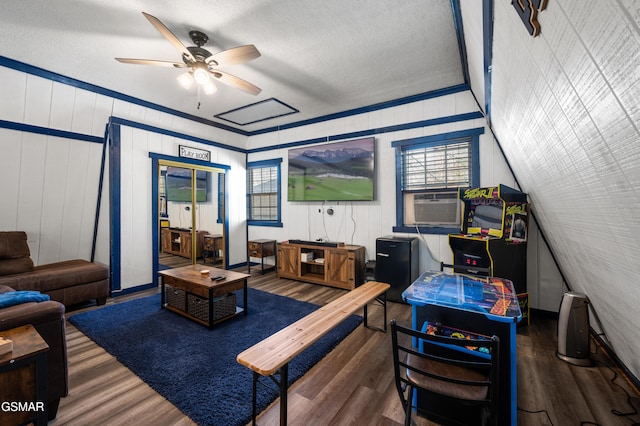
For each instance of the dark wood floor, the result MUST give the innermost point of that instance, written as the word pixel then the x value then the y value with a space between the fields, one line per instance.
pixel 353 385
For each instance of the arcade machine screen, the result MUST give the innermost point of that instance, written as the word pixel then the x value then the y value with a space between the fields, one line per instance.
pixel 486 219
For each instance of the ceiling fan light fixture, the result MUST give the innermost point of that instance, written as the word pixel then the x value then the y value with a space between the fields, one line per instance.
pixel 209 88
pixel 201 63
pixel 186 80
pixel 201 76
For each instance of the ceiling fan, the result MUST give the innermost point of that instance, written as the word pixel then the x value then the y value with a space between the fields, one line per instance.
pixel 202 64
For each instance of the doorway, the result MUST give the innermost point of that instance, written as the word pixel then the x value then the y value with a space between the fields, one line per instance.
pixel 191 208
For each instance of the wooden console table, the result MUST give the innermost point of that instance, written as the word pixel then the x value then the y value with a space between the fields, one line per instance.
pixel 23 377
pixel 341 266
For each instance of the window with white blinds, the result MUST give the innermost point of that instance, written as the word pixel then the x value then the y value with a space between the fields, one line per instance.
pixel 437 167
pixel 430 169
pixel 263 192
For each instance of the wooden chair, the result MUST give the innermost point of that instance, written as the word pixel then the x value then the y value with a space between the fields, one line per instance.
pixel 454 382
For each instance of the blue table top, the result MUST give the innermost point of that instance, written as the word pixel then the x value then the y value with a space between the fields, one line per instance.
pixel 494 297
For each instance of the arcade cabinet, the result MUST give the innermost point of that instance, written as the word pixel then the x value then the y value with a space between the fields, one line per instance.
pixel 493 237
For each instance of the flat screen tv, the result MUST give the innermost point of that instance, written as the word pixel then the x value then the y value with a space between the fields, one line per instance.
pixel 178 185
pixel 339 171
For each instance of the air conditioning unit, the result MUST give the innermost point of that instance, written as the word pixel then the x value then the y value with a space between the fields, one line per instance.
pixel 432 208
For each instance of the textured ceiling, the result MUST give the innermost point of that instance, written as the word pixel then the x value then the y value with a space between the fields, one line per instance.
pixel 319 57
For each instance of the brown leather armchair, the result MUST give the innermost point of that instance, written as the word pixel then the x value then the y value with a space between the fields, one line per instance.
pixel 48 319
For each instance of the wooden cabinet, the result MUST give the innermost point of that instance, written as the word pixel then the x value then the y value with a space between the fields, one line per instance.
pixel 341 267
pixel 288 261
pixel 185 245
pixel 340 270
pixel 179 242
pixel 165 240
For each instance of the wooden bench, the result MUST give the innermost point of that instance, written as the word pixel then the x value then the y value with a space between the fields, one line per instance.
pixel 272 355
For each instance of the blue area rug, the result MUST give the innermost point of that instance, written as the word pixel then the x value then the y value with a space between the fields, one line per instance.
pixel 196 368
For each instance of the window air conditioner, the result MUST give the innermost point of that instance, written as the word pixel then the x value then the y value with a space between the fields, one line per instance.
pixel 433 208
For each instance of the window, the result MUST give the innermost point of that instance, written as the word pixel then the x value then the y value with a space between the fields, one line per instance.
pixel 429 172
pixel 263 193
pixel 440 166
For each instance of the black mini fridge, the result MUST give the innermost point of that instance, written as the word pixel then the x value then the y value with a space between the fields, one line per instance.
pixel 397 264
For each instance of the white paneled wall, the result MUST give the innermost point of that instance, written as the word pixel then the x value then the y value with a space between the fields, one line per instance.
pixel 50 191
pixel 566 110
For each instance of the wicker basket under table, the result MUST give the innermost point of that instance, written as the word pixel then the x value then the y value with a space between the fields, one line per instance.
pixel 223 306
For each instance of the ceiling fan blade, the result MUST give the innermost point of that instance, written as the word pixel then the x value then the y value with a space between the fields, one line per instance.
pixel 151 62
pixel 236 55
pixel 169 35
pixel 236 82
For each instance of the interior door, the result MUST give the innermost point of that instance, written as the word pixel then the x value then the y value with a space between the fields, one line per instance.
pixel 191 208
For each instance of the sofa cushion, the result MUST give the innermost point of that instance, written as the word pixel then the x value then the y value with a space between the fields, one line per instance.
pixel 58 275
pixel 13 298
pixel 15 266
pixel 13 244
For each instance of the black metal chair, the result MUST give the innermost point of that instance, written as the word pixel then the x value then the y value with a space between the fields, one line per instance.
pixel 456 384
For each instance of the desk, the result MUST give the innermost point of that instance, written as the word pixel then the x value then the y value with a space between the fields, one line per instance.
pixel 260 248
pixel 23 377
pixel 483 305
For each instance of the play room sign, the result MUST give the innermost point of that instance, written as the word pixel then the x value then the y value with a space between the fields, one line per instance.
pixel 194 153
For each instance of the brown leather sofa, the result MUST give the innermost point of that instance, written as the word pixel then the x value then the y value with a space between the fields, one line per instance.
pixel 69 282
pixel 48 319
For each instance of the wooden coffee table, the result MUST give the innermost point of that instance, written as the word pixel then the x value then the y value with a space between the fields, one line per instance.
pixel 188 284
